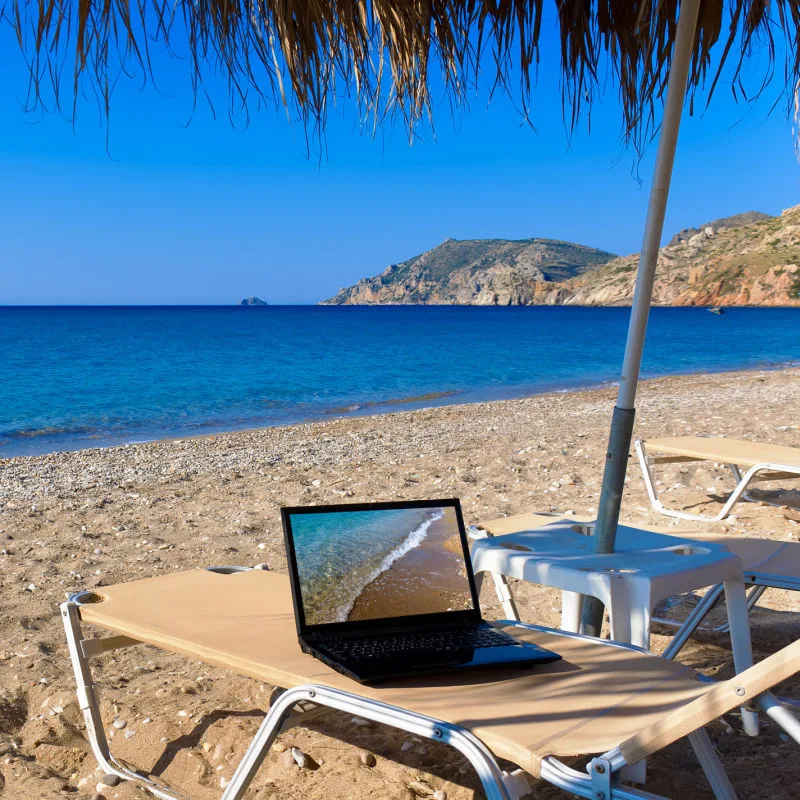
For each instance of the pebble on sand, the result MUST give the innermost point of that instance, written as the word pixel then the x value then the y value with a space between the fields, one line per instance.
pixel 302 760
pixel 420 788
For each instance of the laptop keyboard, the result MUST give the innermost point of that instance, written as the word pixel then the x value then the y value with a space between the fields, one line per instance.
pixel 438 641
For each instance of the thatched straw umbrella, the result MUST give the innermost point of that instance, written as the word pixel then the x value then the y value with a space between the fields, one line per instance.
pixel 383 52
pixel 305 52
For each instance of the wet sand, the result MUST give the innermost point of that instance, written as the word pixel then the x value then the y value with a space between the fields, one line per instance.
pixel 399 591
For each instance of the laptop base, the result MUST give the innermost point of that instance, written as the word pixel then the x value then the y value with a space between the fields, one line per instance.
pixel 407 663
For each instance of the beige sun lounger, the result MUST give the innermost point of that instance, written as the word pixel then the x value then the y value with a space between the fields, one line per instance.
pixel 605 698
pixel 764 462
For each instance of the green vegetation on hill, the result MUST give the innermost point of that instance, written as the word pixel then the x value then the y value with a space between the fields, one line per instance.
pixel 554 259
pixel 735 221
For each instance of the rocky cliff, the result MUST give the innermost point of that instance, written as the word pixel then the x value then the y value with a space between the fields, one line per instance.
pixel 476 272
pixel 757 263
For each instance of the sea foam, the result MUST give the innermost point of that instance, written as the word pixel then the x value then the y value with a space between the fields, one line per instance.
pixel 414 539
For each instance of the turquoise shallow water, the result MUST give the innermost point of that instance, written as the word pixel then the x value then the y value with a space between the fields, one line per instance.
pixel 339 554
pixel 83 377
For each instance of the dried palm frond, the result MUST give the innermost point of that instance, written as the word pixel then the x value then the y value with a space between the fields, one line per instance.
pixel 304 52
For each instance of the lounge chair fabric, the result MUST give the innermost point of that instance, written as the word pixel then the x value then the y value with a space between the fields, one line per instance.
pixel 596 699
pixel 766 557
pixel 526 521
pixel 748 461
pixel 726 451
pixel 727 694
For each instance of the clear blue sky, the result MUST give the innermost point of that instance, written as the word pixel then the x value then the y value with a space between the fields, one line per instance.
pixel 210 213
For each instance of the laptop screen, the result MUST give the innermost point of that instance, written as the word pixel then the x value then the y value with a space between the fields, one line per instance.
pixel 374 563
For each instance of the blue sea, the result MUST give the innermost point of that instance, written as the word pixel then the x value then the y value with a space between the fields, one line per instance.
pixel 84 377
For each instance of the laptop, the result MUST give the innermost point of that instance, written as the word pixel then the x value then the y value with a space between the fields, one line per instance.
pixel 385 590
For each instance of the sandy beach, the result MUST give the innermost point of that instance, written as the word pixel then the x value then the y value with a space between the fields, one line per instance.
pixel 71 521
pixel 400 587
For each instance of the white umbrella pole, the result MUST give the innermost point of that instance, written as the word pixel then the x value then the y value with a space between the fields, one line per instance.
pixel 622 422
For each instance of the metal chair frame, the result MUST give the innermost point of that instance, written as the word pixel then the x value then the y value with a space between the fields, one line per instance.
pixel 602 779
pixel 771 472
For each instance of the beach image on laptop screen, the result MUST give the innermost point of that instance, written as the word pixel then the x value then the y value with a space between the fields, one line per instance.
pixel 363 565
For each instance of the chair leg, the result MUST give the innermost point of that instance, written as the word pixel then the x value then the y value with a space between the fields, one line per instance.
pixel 698 614
pixel 647 474
pixel 580 783
pixel 739 624
pixel 741 645
pixel 497 784
pixel 777 711
pixel 737 474
pixel 87 700
pixel 712 766
pixel 753 596
pixel 652 493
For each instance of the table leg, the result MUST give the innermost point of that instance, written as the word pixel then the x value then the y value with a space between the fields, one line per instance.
pixel 571 611
pixel 628 604
pixel 629 608
pixel 640 626
pixel 741 646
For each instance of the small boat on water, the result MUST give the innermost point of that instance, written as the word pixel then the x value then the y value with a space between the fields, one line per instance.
pixel 716 310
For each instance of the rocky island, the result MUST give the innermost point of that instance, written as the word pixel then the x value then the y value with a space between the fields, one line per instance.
pixel 253 301
pixel 749 259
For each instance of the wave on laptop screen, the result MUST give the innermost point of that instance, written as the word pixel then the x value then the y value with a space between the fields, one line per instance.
pixel 364 565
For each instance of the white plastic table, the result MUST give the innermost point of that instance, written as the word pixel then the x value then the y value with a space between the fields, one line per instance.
pixel 645 568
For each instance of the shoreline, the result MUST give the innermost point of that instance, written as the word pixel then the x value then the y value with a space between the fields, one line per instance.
pixel 399 586
pixel 367 409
